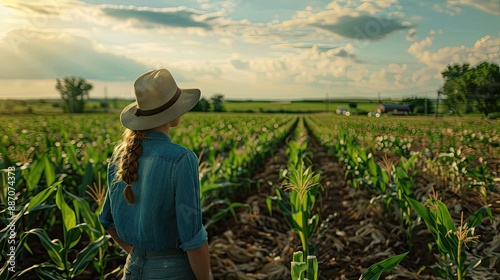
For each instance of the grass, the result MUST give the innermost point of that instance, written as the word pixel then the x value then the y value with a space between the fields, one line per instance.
pixel 295 106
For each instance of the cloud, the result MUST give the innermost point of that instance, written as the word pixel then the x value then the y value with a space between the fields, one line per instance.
pixel 366 20
pixel 411 35
pixel 50 55
pixel 363 27
pixel 239 64
pixel 446 9
pixel 486 48
pixel 325 48
pixel 488 6
pixel 157 17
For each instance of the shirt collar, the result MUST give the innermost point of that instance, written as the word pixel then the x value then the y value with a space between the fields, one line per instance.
pixel 154 134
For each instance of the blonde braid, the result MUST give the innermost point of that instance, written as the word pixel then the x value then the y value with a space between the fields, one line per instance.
pixel 129 153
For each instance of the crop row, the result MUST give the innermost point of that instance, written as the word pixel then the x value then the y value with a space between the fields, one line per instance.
pixel 59 166
pixel 404 179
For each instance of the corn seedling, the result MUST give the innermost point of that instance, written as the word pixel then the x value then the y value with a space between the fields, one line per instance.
pixel 300 267
pixel 297 204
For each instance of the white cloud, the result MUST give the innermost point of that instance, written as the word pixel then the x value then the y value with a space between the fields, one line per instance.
pixel 488 6
pixel 50 55
pixel 446 9
pixel 411 35
pixel 484 49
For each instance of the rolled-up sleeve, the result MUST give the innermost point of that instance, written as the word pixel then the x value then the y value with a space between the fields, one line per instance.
pixel 187 198
pixel 105 216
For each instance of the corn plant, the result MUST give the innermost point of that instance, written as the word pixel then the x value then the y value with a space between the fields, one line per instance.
pixel 298 203
pixel 60 266
pixel 400 188
pixel 450 241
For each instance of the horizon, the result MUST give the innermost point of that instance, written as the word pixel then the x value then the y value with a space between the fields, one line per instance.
pixel 245 50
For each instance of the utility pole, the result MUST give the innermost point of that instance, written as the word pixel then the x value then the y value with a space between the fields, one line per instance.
pixel 437 104
pixel 106 99
pixel 425 104
pixel 327 103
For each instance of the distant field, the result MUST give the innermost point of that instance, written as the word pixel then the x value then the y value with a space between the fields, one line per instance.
pixel 295 106
pixel 54 106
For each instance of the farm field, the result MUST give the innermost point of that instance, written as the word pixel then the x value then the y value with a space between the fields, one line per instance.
pixel 352 191
pixel 54 106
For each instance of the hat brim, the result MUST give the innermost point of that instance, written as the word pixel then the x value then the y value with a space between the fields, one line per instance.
pixel 187 100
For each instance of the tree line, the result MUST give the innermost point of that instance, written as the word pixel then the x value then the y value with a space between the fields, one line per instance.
pixel 74 90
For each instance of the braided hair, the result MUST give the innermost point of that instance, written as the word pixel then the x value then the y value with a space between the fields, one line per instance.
pixel 128 165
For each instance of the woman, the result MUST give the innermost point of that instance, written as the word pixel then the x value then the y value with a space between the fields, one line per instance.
pixel 152 208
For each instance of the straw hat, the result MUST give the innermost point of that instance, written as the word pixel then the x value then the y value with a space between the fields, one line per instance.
pixel 158 101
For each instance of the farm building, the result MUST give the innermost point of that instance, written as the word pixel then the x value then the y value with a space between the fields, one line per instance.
pixel 393 108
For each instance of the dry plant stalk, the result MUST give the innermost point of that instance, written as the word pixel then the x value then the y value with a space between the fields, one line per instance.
pixel 97 192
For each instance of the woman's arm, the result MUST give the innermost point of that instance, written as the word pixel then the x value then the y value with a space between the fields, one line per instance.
pixel 199 259
pixel 114 234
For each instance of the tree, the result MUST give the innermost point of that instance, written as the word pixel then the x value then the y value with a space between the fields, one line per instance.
pixel 418 105
pixel 202 106
pixel 455 86
pixel 73 91
pixel 468 89
pixel 218 101
pixel 353 105
pixel 484 87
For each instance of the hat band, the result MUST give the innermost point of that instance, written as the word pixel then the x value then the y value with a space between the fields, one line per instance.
pixel 160 109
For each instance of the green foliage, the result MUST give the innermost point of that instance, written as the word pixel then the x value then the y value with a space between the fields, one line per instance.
pixel 297 197
pixel 419 105
pixel 300 267
pixel 475 88
pixel 60 265
pixel 375 271
pixel 73 91
pixel 202 106
pixel 297 204
pixel 218 102
pixel 450 241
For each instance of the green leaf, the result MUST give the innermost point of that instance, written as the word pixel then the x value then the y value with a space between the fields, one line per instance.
pixel 68 215
pixel 42 196
pixel 53 248
pixel 312 268
pixel 43 271
pixel 374 271
pixel 87 179
pixel 420 209
pixel 87 255
pixel 7 162
pixel 72 237
pixel 49 272
pixel 33 174
pixel 50 174
pixel 298 256
pixel 297 270
pixel 477 218
pixel 474 264
pixel 372 167
pixel 444 216
pixel 4 272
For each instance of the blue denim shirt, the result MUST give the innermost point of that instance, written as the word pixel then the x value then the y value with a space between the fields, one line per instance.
pixel 166 213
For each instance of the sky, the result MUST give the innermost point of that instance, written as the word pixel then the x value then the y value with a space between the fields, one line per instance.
pixel 245 49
